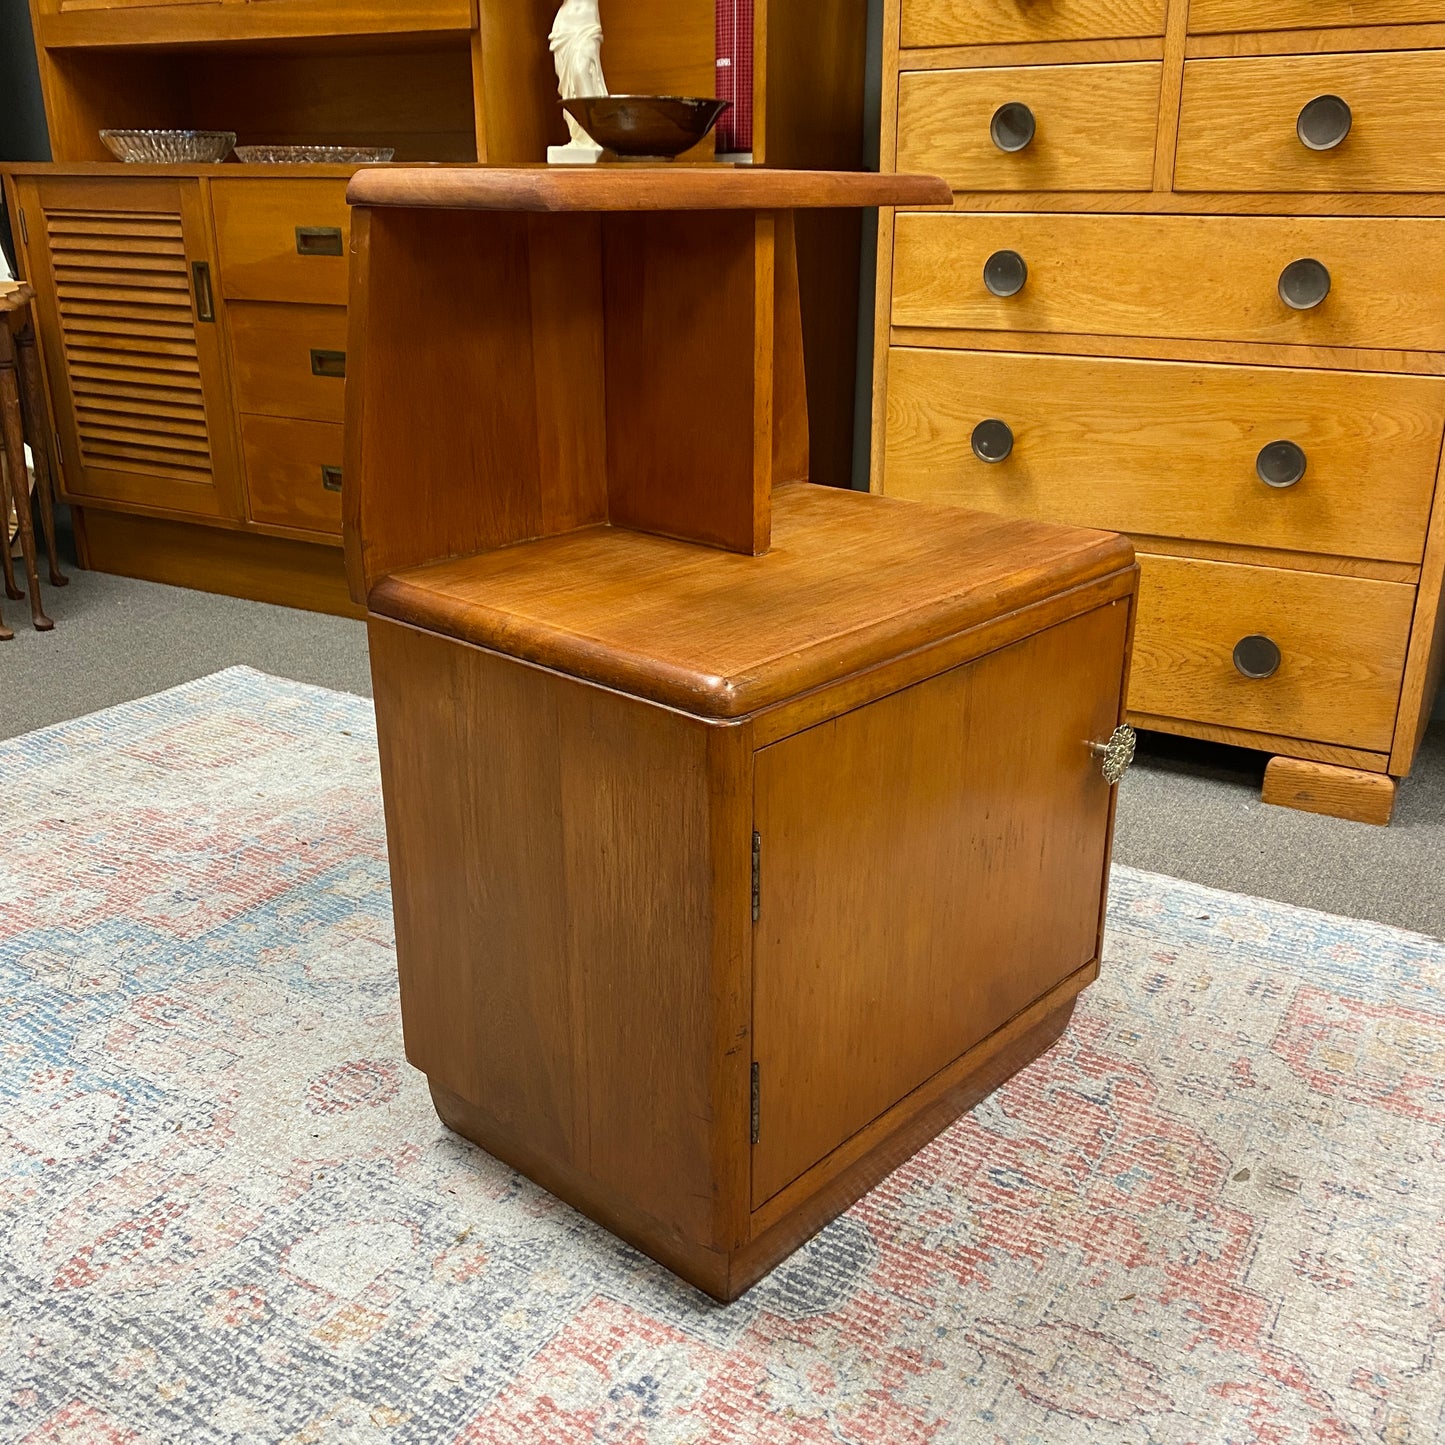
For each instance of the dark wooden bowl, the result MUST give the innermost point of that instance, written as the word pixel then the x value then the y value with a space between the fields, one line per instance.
pixel 654 126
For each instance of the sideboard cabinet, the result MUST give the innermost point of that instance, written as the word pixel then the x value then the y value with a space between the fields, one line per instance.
pixel 193 318
pixel 1193 289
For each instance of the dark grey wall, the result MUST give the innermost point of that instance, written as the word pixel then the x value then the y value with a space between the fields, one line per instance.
pixel 863 391
pixel 22 116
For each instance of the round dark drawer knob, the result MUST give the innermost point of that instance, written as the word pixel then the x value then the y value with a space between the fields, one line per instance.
pixel 1280 464
pixel 1323 123
pixel 1005 272
pixel 992 440
pixel 1304 284
pixel 1012 126
pixel 1256 657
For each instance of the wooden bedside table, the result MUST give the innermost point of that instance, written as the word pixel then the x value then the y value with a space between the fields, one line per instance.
pixel 743 832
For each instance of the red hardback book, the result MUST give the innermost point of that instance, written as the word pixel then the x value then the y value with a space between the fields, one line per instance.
pixel 735 75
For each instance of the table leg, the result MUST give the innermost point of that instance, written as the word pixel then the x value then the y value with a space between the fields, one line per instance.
pixel 7 562
pixel 32 406
pixel 14 437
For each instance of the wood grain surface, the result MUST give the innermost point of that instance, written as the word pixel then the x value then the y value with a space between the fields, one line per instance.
pixel 235 563
pixel 1238 118
pixel 1211 16
pixel 572 830
pixel 256 225
pixel 970 22
pixel 271 346
pixel 1095 126
pixel 1425 666
pixel 171 24
pixel 284 480
pixel 1342 642
pixel 1330 39
pixel 1234 737
pixel 1170 449
pixel 1323 788
pixel 909 849
pixel 637 188
pixel 139 385
pixel 688 299
pixel 850 580
pixel 1199 277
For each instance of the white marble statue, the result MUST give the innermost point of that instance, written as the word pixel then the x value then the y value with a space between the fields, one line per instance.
pixel 576 42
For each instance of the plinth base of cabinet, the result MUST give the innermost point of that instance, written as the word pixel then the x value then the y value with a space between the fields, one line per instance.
pixel 1334 791
pixel 774 1235
pixel 307 575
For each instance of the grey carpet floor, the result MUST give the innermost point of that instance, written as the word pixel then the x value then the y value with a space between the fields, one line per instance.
pixel 1187 809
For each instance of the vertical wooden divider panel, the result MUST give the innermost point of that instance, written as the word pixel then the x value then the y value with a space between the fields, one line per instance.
pixel 792 442
pixel 687 297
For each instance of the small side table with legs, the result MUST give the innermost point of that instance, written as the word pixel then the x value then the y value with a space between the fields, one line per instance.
pixel 22 401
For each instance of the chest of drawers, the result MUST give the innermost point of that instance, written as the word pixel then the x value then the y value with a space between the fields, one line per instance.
pixel 1192 288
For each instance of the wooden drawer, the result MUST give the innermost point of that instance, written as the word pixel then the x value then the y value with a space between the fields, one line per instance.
pixel 1208 278
pixel 282 240
pixel 998 22
pixel 1238 126
pixel 289 360
pixel 1341 644
pixel 1094 127
pixel 1215 17
pixel 1169 449
pixel 293 472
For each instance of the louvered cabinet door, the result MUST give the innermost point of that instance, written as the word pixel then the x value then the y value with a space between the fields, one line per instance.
pixel 123 270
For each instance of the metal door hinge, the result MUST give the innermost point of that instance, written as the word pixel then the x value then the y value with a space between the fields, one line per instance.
pixel 757 872
pixel 755 1110
pixel 24 229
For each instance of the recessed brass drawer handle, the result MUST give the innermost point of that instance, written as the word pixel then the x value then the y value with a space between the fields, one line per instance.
pixel 1004 273
pixel 1323 123
pixel 1012 126
pixel 328 363
pixel 318 240
pixel 1116 754
pixel 1280 464
pixel 201 284
pixel 331 478
pixel 1256 657
pixel 992 440
pixel 1303 284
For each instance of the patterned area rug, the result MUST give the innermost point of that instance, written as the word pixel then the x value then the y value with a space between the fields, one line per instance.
pixel 1213 1213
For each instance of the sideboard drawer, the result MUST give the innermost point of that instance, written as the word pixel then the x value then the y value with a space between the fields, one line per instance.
pixel 1216 17
pixel 1242 121
pixel 1340 643
pixel 1033 127
pixel 293 472
pixel 289 360
pixel 1172 449
pixel 998 22
pixel 1207 278
pixel 282 240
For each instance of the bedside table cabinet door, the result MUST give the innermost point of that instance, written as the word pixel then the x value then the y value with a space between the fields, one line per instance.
pixel 929 866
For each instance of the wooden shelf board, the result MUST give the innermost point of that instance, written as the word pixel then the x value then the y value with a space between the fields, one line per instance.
pixel 659 187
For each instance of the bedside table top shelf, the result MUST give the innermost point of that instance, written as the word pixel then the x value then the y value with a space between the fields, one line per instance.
pixel 617 345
